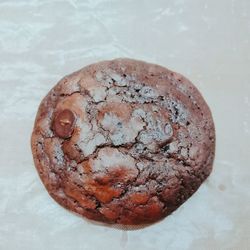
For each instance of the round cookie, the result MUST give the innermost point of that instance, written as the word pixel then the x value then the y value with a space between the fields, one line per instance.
pixel 123 141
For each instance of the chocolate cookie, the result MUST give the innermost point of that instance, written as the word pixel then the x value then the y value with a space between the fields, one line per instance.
pixel 123 141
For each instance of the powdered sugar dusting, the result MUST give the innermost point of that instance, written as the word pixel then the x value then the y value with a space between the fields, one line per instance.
pixel 98 94
pixel 89 140
pixel 110 158
pixel 109 76
pixel 58 153
pixel 178 112
pixel 148 92
pixel 139 113
pixel 168 130
pixel 121 132
pixel 89 147
pixel 95 90
pixel 156 131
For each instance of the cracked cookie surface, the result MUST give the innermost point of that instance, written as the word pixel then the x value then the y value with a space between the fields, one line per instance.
pixel 123 141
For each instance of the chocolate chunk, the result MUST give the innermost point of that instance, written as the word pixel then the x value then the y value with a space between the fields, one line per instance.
pixel 63 123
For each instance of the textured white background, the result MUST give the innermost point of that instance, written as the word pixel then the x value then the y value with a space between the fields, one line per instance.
pixel 206 40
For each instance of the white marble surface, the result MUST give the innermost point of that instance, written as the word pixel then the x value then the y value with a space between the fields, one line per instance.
pixel 206 40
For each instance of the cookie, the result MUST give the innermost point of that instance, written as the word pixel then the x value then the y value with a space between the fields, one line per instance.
pixel 123 141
